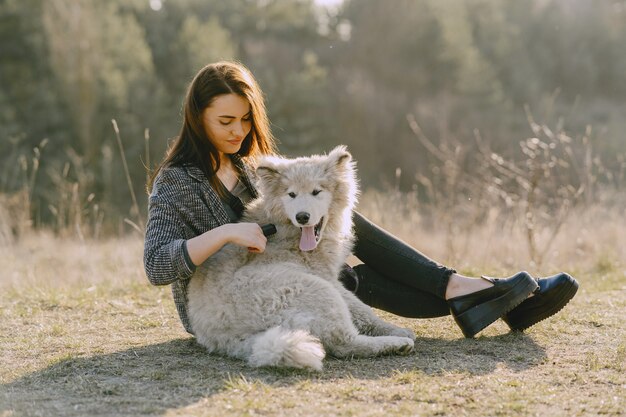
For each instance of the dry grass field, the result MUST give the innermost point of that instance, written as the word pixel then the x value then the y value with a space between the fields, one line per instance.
pixel 82 333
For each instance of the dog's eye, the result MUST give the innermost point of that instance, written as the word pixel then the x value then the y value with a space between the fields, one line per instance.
pixel 316 192
pixel 292 194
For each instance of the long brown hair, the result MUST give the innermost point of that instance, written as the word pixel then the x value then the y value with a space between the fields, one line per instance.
pixel 192 147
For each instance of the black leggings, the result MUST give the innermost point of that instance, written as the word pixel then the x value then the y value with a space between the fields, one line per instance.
pixel 395 277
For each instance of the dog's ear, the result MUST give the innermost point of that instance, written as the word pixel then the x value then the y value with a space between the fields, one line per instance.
pixel 268 170
pixel 267 173
pixel 338 158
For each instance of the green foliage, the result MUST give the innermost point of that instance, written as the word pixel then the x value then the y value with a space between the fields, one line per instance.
pixel 347 76
pixel 204 42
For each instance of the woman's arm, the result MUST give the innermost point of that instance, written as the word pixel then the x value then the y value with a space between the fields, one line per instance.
pixel 168 256
pixel 248 235
pixel 164 255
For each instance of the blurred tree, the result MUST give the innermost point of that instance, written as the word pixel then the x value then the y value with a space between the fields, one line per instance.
pixel 557 56
pixel 383 65
pixel 72 40
pixel 30 109
pixel 349 76
pixel 204 42
pixel 475 78
pixel 300 106
pixel 400 54
pixel 98 55
pixel 104 68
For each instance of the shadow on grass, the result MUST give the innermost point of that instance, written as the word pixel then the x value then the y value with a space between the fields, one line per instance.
pixel 156 378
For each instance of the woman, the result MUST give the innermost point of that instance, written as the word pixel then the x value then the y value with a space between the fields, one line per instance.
pixel 199 191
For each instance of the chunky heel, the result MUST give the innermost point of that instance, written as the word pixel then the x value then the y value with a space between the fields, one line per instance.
pixel 473 312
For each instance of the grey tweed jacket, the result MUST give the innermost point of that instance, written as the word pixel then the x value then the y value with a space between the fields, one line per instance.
pixel 182 205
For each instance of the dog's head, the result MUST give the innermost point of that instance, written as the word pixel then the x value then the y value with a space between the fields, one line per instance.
pixel 312 193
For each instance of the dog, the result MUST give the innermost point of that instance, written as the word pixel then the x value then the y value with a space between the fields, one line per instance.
pixel 285 307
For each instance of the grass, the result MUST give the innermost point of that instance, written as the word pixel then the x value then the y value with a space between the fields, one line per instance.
pixel 82 333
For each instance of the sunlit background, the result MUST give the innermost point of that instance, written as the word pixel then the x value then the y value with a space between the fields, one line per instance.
pixel 461 114
pixel 488 134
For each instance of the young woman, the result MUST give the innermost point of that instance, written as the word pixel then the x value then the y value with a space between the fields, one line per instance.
pixel 199 192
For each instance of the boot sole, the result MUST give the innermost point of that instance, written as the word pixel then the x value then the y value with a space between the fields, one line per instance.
pixel 477 318
pixel 519 324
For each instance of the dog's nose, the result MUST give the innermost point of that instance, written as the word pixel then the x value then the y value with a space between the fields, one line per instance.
pixel 303 217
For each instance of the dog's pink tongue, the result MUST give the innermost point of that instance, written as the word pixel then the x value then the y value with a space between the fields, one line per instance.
pixel 307 240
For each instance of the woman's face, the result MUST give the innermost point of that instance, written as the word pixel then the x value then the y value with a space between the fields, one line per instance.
pixel 227 121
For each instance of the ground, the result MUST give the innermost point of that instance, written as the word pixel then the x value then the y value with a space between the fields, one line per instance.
pixel 82 333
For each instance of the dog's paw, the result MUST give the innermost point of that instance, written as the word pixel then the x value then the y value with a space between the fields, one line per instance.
pixel 405 348
pixel 395 345
pixel 402 332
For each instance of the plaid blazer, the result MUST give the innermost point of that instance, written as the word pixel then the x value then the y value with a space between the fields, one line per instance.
pixel 182 205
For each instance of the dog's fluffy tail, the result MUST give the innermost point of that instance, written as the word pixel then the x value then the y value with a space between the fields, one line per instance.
pixel 287 348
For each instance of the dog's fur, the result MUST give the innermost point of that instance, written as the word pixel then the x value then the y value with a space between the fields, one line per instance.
pixel 284 306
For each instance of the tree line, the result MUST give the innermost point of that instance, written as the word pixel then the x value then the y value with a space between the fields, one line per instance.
pixel 357 74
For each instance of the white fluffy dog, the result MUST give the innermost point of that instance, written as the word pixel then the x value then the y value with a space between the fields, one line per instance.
pixel 285 306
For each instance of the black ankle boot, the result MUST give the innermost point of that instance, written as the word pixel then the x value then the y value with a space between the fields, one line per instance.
pixel 552 295
pixel 475 311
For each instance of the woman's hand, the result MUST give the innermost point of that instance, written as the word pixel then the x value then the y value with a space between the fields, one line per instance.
pixel 248 235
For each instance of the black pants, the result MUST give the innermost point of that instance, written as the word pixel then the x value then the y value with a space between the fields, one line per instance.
pixel 395 277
